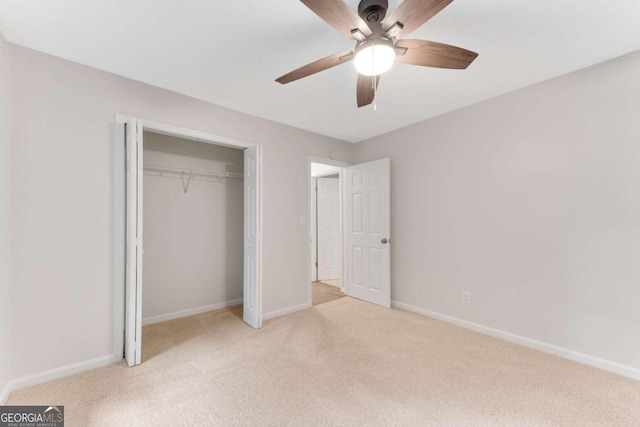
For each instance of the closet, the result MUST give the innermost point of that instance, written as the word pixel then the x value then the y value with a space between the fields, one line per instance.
pixel 193 227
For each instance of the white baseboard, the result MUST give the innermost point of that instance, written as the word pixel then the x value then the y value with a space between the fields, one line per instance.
pixel 4 394
pixel 54 374
pixel 282 312
pixel 566 353
pixel 190 312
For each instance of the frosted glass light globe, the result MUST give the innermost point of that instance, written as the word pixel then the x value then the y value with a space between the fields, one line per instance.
pixel 374 59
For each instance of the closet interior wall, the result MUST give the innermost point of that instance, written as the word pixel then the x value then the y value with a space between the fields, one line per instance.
pixel 193 227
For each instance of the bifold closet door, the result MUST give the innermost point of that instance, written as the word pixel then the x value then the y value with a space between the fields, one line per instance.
pixel 252 308
pixel 133 249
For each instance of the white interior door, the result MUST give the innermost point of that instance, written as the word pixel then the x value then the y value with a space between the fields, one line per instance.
pixel 328 228
pixel 368 232
pixel 252 309
pixel 133 250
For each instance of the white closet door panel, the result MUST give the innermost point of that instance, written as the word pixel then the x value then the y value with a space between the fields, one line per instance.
pixel 133 279
pixel 252 309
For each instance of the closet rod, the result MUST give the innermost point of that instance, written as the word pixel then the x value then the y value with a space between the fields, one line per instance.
pixel 175 170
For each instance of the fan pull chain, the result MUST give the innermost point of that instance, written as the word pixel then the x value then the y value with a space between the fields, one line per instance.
pixel 373 84
pixel 375 94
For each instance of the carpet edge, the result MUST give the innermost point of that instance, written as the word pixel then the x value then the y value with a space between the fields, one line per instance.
pixel 593 361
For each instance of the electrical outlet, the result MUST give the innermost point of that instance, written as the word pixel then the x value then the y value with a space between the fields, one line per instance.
pixel 466 297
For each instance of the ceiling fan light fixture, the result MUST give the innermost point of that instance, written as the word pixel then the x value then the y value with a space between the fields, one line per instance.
pixel 378 39
pixel 374 57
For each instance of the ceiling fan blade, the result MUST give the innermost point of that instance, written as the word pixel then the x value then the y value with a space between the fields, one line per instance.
pixel 434 54
pixel 413 13
pixel 337 14
pixel 365 90
pixel 316 67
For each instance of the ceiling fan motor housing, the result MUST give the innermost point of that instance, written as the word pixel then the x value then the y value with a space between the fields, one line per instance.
pixel 373 10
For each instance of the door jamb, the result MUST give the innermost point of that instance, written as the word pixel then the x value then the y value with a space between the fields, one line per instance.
pixel 310 195
pixel 120 207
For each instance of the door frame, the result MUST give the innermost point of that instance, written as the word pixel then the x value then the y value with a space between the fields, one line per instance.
pixel 311 218
pixel 120 213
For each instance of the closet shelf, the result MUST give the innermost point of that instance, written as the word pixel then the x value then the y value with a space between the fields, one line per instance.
pixel 180 172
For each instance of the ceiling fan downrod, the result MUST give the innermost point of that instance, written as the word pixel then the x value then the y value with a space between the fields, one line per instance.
pixel 373 10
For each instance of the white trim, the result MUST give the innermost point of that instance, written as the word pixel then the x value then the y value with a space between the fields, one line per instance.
pixel 288 310
pixel 344 282
pixel 325 161
pixel 119 221
pixel 194 135
pixel 4 394
pixel 189 312
pixel 313 233
pixel 565 353
pixel 310 216
pixel 54 374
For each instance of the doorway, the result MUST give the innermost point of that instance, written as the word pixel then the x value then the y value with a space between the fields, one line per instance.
pixel 326 230
pixel 360 265
pixel 326 233
pixel 129 224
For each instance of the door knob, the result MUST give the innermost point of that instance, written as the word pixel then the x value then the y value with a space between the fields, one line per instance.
pixel 384 241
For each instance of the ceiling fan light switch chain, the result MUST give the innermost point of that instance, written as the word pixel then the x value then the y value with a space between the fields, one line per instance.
pixel 374 81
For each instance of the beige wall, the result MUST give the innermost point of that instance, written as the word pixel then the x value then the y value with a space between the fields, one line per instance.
pixel 527 200
pixel 63 191
pixel 193 242
pixel 531 201
pixel 5 164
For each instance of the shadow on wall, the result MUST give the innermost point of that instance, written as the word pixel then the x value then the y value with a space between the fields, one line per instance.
pixel 235 238
pixel 193 228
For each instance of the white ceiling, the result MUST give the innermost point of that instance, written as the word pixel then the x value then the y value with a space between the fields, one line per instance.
pixel 229 52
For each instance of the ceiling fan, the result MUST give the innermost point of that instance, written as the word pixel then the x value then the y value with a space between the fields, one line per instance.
pixel 378 42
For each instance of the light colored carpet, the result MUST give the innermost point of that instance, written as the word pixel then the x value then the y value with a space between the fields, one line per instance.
pixel 345 362
pixel 322 292
pixel 335 283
